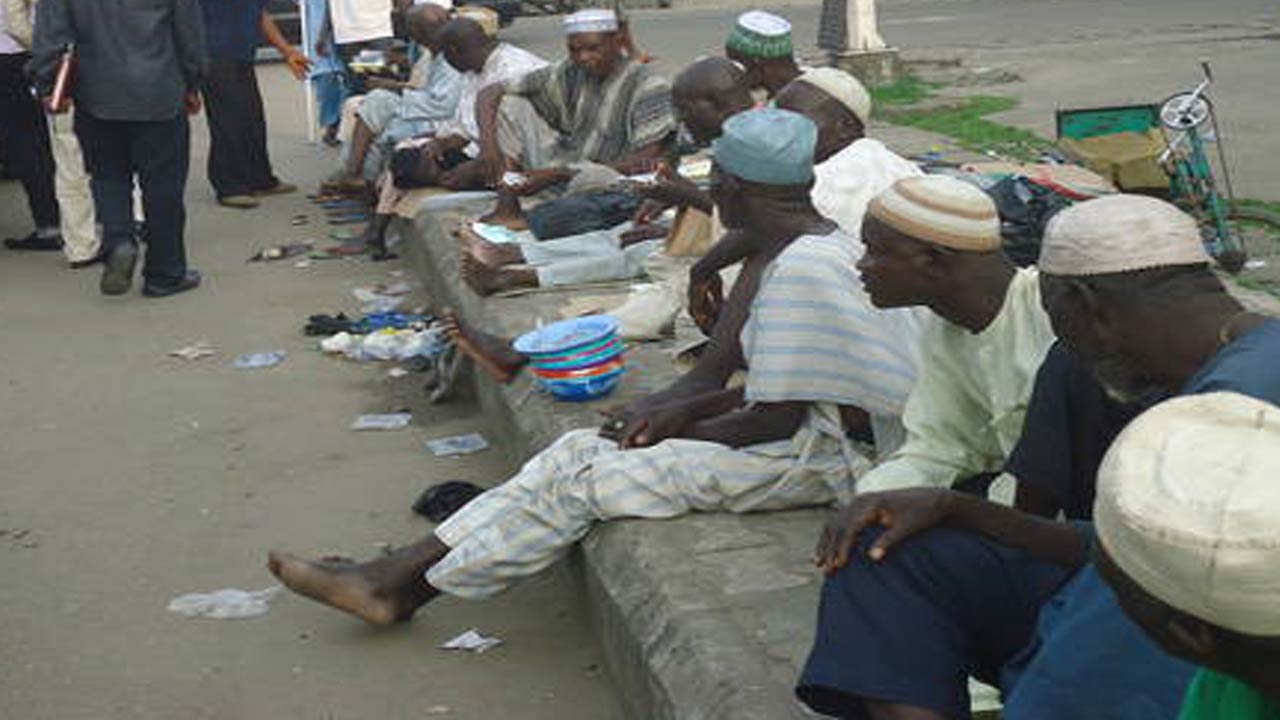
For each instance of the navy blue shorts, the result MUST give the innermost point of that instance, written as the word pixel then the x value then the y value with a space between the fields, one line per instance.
pixel 910 630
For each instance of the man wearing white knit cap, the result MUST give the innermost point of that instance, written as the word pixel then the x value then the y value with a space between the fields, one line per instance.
pixel 1186 518
pixel 972 587
pixel 596 106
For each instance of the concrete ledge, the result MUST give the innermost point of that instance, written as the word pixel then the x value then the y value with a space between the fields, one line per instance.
pixel 706 617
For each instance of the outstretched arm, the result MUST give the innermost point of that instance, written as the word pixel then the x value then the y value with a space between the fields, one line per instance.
pixel 904 513
pixel 298 63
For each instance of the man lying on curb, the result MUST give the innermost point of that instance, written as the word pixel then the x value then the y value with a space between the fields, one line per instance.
pixel 705 448
pixel 446 157
pixel 978 590
pixel 706 94
pixel 1200 575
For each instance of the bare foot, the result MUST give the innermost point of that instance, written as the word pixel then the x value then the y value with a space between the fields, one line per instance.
pixel 489 253
pixel 381 592
pixel 492 353
pixel 486 280
pixel 507 212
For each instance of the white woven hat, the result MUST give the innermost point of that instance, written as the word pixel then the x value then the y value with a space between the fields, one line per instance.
pixel 940 210
pixel 591 20
pixel 842 86
pixel 1120 233
pixel 1188 506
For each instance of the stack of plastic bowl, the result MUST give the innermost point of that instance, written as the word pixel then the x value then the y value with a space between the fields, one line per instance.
pixel 577 360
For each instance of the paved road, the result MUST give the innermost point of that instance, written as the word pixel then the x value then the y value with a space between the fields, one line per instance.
pixel 1070 53
pixel 137 478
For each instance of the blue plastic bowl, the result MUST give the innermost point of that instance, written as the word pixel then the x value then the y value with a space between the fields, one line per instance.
pixel 564 337
pixel 583 389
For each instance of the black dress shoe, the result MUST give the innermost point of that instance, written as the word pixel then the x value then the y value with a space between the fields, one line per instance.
pixel 34 242
pixel 190 281
pixel 117 271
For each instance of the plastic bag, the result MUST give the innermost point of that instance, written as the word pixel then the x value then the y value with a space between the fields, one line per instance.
pixel 225 604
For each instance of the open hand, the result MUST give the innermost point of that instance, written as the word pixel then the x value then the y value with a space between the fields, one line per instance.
pixel 902 513
pixel 298 63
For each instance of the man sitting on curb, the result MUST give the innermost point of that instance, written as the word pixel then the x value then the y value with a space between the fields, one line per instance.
pixel 977 590
pixel 386 117
pixel 701 447
pixel 706 94
pixel 851 170
pixel 598 107
pixel 446 158
pixel 1199 575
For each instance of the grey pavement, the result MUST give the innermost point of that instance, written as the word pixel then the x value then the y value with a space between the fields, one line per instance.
pixel 1069 53
pixel 127 478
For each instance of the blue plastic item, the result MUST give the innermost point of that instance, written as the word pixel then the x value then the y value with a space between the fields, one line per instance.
pixel 584 389
pixel 566 335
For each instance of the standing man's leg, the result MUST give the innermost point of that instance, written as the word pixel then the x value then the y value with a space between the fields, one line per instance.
pixel 26 140
pixel 161 154
pixel 262 179
pixel 226 106
pixel 106 146
pixel 75 198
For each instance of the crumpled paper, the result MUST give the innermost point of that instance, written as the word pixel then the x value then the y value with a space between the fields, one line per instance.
pixel 225 604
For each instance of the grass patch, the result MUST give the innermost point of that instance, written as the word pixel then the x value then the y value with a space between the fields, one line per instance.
pixel 907 90
pixel 1267 205
pixel 967 124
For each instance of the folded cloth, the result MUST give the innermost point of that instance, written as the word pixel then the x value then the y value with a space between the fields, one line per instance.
pixel 578 214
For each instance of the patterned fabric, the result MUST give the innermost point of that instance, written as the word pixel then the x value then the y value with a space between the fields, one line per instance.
pixel 600 120
pixel 505 64
pixel 813 335
pixel 966 411
pixel 530 521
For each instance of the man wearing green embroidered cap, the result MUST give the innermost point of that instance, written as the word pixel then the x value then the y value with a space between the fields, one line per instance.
pixel 778 443
pixel 761 42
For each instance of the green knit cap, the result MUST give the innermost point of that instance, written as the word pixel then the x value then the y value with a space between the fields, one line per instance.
pixel 759 34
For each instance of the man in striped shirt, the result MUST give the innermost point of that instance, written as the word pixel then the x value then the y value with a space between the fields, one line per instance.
pixel 783 441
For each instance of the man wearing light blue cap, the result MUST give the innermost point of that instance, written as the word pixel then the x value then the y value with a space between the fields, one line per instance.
pixel 697 446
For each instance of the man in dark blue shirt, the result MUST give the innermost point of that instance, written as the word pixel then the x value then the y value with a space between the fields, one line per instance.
pixel 239 166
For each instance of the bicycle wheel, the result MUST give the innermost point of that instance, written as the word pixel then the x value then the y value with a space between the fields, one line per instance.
pixel 1256 214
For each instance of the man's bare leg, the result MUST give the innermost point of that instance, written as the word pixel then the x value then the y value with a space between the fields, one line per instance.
pixel 382 592
pixel 362 137
pixel 507 212
pixel 374 237
pixel 492 254
pixel 486 280
pixel 493 354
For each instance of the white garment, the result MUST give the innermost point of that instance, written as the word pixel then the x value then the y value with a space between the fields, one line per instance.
pixel 846 182
pixel 506 62
pixel 75 199
pixel 8 46
pixel 531 520
pixel 360 20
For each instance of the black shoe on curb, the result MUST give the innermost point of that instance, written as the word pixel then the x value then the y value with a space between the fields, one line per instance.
pixel 117 270
pixel 34 242
pixel 190 281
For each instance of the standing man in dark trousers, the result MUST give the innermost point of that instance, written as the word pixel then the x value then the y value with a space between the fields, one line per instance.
pixel 138 72
pixel 25 139
pixel 239 167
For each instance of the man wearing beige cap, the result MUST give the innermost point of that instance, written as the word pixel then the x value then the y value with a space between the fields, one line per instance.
pixel 934 241
pixel 1201 574
pixel 957 586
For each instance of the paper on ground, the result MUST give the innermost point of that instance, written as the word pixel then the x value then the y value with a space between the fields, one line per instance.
pixel 225 604
pixel 471 641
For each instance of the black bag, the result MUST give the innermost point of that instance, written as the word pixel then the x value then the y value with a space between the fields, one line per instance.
pixel 1025 209
pixel 579 214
